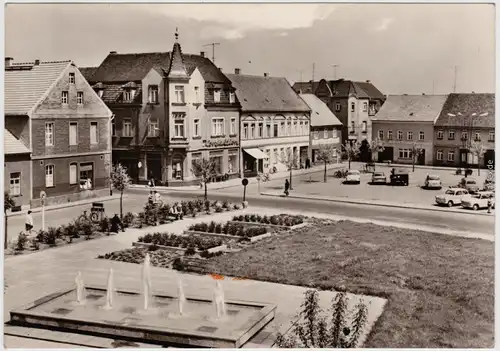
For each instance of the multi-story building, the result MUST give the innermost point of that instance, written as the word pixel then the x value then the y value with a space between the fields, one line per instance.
pixel 17 173
pixel 354 104
pixel 465 118
pixel 55 114
pixel 405 122
pixel 326 128
pixel 274 123
pixel 170 108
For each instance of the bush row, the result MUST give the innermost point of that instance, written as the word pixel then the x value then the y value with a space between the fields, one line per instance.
pixel 185 242
pixel 228 228
pixel 282 219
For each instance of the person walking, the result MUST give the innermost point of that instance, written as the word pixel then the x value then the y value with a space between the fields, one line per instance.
pixel 28 222
pixel 308 163
pixel 287 186
pixel 116 224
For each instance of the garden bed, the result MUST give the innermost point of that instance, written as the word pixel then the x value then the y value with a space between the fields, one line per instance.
pixel 282 221
pixel 181 242
pixel 159 258
pixel 240 231
pixel 173 248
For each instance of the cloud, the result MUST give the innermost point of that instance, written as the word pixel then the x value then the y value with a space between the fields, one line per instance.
pixel 209 32
pixel 384 24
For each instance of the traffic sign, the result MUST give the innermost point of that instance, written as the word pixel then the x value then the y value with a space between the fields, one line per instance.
pixel 244 182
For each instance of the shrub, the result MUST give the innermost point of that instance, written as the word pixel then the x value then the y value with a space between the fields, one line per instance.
pixel 163 212
pixel 178 264
pixel 215 203
pixel 211 227
pixel 274 220
pixel 218 228
pixel 265 220
pixel 22 240
pixel 207 205
pixel 128 219
pixel 153 247
pixel 190 251
pixel 104 225
pixel 236 206
pixel 218 209
pixel 225 204
pixel 150 215
pixel 253 218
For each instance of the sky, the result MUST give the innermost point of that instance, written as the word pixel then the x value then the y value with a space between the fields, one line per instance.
pixel 400 48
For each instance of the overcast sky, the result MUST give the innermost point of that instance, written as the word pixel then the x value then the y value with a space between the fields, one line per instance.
pixel 401 48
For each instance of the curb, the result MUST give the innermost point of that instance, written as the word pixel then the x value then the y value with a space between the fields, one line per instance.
pixel 381 204
pixel 67 205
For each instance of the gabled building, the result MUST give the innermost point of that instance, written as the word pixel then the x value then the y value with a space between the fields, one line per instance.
pixel 274 122
pixel 170 108
pixel 326 128
pixel 55 121
pixel 465 118
pixel 405 121
pixel 354 103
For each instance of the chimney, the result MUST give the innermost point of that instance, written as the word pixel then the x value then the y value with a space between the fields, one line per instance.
pixel 112 52
pixel 265 74
pixel 8 61
pixel 473 92
pixel 37 62
pixel 368 81
pixel 202 53
pixel 423 93
pixel 237 71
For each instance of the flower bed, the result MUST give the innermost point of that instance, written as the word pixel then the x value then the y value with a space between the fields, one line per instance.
pixel 282 220
pixel 183 242
pixel 233 229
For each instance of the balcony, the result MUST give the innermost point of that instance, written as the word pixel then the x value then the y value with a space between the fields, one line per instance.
pixel 179 142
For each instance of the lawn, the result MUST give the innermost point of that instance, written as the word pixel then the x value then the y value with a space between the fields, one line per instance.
pixel 440 288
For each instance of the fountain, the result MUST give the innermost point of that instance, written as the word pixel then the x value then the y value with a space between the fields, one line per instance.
pixel 181 297
pixel 218 301
pixel 110 291
pixel 146 282
pixel 80 289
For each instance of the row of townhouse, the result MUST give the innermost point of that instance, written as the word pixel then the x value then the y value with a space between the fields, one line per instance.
pixel 443 127
pixel 56 136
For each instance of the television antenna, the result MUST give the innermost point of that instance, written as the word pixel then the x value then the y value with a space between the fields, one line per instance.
pixel 213 45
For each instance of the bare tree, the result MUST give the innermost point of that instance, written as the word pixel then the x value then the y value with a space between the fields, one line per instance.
pixel 205 169
pixel 416 151
pixel 351 150
pixel 477 149
pixel 326 154
pixel 120 181
pixel 8 203
pixel 290 160
pixel 376 146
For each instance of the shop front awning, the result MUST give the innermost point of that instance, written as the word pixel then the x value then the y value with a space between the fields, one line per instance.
pixel 256 153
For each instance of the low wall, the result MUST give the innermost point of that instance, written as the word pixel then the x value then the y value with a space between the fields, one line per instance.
pixel 67 198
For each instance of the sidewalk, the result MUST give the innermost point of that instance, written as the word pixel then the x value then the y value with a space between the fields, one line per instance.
pixel 410 166
pixel 65 205
pixel 379 203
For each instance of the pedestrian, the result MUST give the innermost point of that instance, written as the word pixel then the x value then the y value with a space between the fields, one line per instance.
pixel 308 163
pixel 287 186
pixel 158 200
pixel 116 224
pixel 150 198
pixel 28 222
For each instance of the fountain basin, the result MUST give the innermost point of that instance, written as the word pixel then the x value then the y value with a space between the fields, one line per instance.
pixel 162 324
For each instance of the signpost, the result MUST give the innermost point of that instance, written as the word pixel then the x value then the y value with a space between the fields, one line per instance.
pixel 244 182
pixel 43 195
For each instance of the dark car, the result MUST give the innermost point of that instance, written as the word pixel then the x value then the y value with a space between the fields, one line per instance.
pixel 400 177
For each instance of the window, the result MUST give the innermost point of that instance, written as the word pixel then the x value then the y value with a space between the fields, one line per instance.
pixel 232 126
pixel 217 95
pixel 252 130
pixel 301 128
pixel 306 127
pixel 404 153
pixel 245 130
pixel 409 135
pixel 127 128
pixel 464 136
pixel 353 126
pixel 316 134
pixel 276 156
pixel 196 129
pixel 15 184
pixel 93 133
pixel 153 94
pixel 325 133
pixel 491 136
pixel 100 92
pixel 261 130
pixel 86 175
pixel 127 95
pixel 179 128
pixel 113 128
pixel 268 130
pixel 365 106
pixel 353 106
pixel 197 94
pixel 64 97
pixel 363 126
pixel 179 94
pixel 381 134
pixel 73 173
pixel 153 128
pixel 389 135
pixel 49 176
pixel 421 136
pixel 232 164
pixel 477 136
pixel 73 133
pixel 49 134
pixel 289 129
pixel 79 97
pixel 400 135
pixel 451 135
pixel 275 130
pixel 439 155
pixel 451 156
pixel 440 135
pixel 71 78
pixel 217 160
pixel 217 126
pixel 337 106
pixel 294 130
pixel 232 99
pixel 282 129
pixel 334 133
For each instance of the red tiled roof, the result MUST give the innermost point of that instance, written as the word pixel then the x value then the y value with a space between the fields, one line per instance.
pixel 422 108
pixel 463 106
pixel 12 145
pixel 24 88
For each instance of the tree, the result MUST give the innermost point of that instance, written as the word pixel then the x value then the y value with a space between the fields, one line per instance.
pixel 376 146
pixel 290 160
pixel 351 150
pixel 477 149
pixel 205 169
pixel 120 181
pixel 8 203
pixel 326 154
pixel 415 154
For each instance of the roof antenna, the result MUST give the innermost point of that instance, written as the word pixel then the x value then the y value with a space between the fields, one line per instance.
pixel 176 34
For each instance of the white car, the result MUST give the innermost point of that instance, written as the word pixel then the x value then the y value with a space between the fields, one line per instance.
pixel 479 200
pixel 353 176
pixel 432 181
pixel 452 196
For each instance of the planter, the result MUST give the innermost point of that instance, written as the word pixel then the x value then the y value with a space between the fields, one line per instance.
pixel 277 226
pixel 215 235
pixel 172 248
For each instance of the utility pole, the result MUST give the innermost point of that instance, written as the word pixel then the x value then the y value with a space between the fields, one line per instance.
pixel 213 50
pixel 335 71
pixel 455 81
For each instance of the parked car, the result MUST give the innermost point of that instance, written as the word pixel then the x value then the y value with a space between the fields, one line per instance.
pixel 432 181
pixel 470 184
pixel 479 200
pixel 452 197
pixel 353 176
pixel 400 176
pixel 378 178
pixel 489 184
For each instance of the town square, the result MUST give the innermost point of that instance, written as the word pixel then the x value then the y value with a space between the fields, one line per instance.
pixel 249 175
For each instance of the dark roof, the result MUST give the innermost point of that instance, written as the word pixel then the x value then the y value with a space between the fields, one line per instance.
pixel 134 67
pixel 422 108
pixel 88 72
pixel 113 93
pixel 371 90
pixel 305 87
pixel 257 93
pixel 342 88
pixel 463 106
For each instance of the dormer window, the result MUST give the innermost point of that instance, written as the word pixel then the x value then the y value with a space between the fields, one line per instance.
pixel 217 95
pixel 100 93
pixel 153 94
pixel 128 95
pixel 232 98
